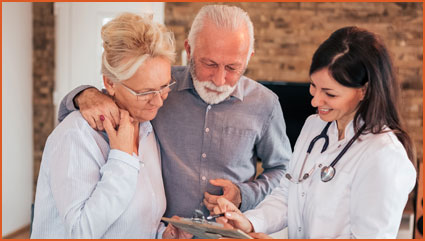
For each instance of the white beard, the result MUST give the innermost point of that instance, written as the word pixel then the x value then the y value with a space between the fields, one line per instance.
pixel 208 96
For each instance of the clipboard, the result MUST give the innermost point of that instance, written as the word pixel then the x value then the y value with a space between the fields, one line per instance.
pixel 206 230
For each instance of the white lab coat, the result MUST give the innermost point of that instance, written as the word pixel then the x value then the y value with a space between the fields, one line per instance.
pixel 365 199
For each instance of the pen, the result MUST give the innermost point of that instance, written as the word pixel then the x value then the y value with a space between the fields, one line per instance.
pixel 211 217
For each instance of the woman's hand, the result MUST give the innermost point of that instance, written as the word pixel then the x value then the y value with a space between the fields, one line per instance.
pixel 123 138
pixel 172 232
pixel 233 217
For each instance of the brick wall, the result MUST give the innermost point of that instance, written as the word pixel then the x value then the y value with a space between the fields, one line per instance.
pixel 287 34
pixel 43 78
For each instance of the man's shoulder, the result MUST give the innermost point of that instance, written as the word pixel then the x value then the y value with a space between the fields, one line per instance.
pixel 179 73
pixel 178 69
pixel 254 89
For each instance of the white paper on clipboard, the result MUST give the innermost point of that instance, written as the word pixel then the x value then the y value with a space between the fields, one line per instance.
pixel 206 230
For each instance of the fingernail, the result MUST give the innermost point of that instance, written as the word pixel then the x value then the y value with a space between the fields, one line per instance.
pixel 102 118
pixel 228 215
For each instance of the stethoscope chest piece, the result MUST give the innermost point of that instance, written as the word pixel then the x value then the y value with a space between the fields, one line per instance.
pixel 327 173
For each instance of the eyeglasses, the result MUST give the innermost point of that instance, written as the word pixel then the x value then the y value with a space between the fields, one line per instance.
pixel 148 95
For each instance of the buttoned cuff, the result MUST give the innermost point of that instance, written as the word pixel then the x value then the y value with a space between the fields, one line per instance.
pixel 124 157
pixel 247 197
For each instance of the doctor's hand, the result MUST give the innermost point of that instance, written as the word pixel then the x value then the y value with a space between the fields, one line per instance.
pixel 93 103
pixel 233 218
pixel 230 191
pixel 172 232
pixel 123 138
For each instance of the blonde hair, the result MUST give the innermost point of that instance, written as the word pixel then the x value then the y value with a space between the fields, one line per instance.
pixel 130 39
pixel 223 17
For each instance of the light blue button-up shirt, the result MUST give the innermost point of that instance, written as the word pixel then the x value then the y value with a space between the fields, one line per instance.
pixel 86 190
pixel 200 142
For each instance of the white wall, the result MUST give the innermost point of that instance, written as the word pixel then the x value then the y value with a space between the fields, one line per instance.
pixel 17 138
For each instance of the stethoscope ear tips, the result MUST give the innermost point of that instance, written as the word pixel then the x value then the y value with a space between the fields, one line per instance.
pixel 327 173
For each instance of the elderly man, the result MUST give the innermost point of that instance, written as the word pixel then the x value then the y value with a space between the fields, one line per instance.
pixel 215 123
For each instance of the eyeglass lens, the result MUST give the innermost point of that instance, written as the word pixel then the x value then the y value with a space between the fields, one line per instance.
pixel 150 96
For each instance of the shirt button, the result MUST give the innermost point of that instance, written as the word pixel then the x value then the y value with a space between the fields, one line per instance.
pixel 209 107
pixel 207 130
pixel 302 194
pixel 320 165
pixel 204 155
pixel 204 178
pixel 299 229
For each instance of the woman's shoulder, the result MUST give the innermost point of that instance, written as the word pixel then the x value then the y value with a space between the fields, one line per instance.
pixel 386 150
pixel 385 157
pixel 75 124
pixel 312 126
pixel 75 121
pixel 313 121
pixel 386 141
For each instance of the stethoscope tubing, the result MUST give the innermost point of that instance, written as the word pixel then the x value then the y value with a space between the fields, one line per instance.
pixel 327 172
pixel 322 134
pixel 352 140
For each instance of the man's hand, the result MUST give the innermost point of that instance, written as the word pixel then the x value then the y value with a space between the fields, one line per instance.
pixel 230 191
pixel 232 216
pixel 171 232
pixel 93 103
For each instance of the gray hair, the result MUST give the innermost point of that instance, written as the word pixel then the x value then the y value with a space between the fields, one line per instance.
pixel 129 40
pixel 225 17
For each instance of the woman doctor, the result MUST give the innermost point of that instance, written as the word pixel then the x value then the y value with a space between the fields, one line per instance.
pixel 350 173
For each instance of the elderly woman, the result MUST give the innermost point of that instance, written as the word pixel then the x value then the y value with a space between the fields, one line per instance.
pixel 350 174
pixel 94 184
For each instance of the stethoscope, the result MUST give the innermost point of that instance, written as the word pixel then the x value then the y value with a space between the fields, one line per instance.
pixel 328 172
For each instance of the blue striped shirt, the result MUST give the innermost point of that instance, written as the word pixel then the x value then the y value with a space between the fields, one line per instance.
pixel 86 190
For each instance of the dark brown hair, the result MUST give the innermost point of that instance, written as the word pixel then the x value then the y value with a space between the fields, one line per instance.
pixel 357 58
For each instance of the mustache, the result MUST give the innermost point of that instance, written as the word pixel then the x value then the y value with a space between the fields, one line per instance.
pixel 210 85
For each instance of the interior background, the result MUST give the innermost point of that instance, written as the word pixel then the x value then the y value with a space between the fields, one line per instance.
pixel 35 77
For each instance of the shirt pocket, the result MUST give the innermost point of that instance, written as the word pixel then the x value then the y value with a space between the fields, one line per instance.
pixel 237 145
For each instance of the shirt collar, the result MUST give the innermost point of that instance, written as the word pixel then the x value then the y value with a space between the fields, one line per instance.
pixel 349 130
pixel 183 78
pixel 145 128
pixel 185 81
pixel 238 92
